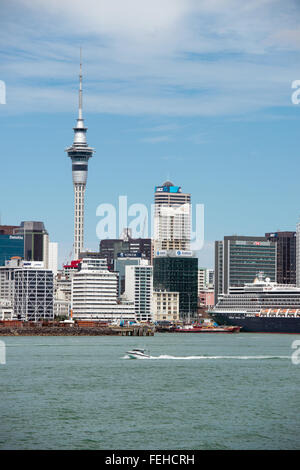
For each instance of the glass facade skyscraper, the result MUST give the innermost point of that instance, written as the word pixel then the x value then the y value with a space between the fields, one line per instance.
pixel 11 245
pixel 120 266
pixel 286 256
pixel 33 294
pixel 36 241
pixel 111 249
pixel 178 274
pixel 239 259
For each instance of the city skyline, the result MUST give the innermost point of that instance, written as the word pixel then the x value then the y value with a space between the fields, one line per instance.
pixel 230 159
pixel 150 304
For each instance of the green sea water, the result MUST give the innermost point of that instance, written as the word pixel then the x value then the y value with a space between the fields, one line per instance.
pixel 197 391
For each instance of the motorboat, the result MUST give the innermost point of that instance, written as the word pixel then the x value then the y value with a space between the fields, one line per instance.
pixel 138 354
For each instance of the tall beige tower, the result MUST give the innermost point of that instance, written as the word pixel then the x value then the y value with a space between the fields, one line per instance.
pixel 172 218
pixel 80 153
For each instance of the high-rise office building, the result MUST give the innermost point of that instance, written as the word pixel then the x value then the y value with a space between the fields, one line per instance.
pixel 80 153
pixel 286 256
pixel 238 260
pixel 176 273
pixel 33 293
pixel 172 218
pixel 175 269
pixel 139 289
pixel 29 240
pixel 11 245
pixel 125 246
pixel 36 241
pixel 120 266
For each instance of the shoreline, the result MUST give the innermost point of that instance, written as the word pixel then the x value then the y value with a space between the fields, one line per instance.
pixel 57 331
pixel 74 331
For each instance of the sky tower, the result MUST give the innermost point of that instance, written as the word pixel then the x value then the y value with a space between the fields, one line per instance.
pixel 79 153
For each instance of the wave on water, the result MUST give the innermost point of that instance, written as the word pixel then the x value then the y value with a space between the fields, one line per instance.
pixel 165 356
pixel 50 345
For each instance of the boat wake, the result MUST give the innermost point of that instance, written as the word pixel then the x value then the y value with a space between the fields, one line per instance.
pixel 164 356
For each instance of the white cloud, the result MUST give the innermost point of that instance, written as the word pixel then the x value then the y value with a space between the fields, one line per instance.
pixel 169 57
pixel 113 17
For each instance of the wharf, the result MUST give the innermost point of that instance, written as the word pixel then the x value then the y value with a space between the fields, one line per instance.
pixel 141 330
pixel 38 329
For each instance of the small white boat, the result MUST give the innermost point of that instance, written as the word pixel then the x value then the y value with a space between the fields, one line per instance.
pixel 138 354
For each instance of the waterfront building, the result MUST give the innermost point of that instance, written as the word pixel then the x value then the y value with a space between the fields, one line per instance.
pixel 238 260
pixel 139 289
pixel 206 298
pixel 7 279
pixel 10 245
pixel 172 218
pixel 33 292
pixel 61 308
pixel 286 256
pixel 177 272
pixel 63 288
pixel 125 246
pixel 95 293
pixel 62 294
pixel 6 310
pixel 165 306
pixel 79 153
pixel 205 289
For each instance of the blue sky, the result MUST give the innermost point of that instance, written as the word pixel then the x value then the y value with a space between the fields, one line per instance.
pixel 198 92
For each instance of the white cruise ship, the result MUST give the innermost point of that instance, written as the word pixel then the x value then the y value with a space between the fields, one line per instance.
pixel 261 306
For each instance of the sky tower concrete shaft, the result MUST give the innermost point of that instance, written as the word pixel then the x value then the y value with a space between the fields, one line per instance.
pixel 80 153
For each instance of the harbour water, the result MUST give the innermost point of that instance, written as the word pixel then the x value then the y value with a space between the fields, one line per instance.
pixel 197 391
